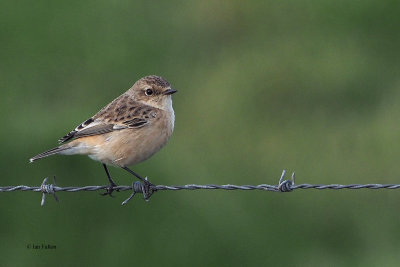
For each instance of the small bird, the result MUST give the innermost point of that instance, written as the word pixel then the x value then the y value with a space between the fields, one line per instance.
pixel 127 131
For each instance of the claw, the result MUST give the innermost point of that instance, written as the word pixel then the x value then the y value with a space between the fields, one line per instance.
pixel 144 188
pixel 110 189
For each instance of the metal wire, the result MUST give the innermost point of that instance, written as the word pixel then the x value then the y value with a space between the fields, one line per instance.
pixel 147 189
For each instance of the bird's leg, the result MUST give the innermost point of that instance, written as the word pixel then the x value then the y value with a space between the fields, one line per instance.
pixel 134 173
pixel 109 189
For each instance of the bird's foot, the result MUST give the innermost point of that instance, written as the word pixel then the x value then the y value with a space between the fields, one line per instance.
pixel 145 187
pixel 110 189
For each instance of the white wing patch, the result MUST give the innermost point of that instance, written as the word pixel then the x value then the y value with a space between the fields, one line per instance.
pixel 79 128
pixel 119 127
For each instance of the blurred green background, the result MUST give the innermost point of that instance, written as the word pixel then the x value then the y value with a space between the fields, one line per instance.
pixel 310 86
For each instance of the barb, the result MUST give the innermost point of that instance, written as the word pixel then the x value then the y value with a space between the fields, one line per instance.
pixel 148 189
pixel 47 189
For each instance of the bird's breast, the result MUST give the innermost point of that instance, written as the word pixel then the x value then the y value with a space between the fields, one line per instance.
pixel 131 146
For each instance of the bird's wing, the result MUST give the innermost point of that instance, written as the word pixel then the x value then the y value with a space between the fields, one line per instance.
pixel 88 130
pixel 120 114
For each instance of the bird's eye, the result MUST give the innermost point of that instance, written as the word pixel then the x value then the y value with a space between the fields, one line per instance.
pixel 148 92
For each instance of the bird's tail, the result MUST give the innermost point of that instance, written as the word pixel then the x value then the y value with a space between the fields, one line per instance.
pixel 50 152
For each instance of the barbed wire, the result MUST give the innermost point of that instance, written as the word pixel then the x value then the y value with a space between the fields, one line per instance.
pixel 148 189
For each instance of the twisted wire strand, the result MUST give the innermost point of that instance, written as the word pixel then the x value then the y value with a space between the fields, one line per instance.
pixel 264 187
pixel 147 189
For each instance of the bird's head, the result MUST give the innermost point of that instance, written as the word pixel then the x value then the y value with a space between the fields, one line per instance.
pixel 152 90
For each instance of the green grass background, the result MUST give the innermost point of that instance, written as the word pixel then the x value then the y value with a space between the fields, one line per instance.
pixel 310 86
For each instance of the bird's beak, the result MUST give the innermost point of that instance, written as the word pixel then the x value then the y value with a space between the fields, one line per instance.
pixel 170 92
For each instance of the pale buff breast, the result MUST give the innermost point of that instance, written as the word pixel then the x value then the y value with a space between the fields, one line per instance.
pixel 129 146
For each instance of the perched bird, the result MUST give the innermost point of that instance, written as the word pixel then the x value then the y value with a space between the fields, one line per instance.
pixel 127 131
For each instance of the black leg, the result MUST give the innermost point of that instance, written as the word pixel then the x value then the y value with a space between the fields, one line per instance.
pixel 134 173
pixel 108 175
pixel 110 189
